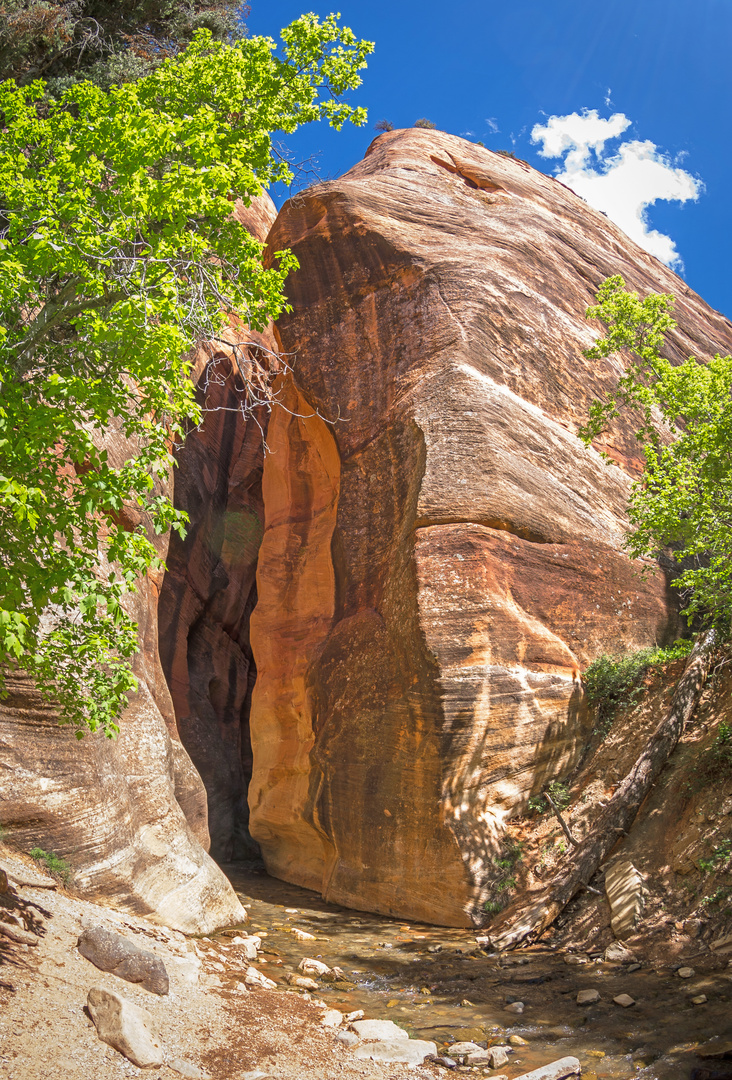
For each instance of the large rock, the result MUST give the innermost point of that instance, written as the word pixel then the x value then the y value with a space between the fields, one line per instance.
pixel 126 1027
pixel 439 562
pixel 114 953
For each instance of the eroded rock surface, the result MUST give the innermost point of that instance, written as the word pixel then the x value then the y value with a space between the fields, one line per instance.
pixel 438 563
pixel 209 590
pixel 132 816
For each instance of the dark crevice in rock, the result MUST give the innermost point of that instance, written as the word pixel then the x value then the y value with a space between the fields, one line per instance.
pixel 206 601
pixel 486 523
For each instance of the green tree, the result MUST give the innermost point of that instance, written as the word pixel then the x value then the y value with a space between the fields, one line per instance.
pixel 107 41
pixel 683 501
pixel 118 253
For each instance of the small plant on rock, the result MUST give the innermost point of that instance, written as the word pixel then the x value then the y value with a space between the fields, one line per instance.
pixel 57 866
pixel 383 125
pixel 424 123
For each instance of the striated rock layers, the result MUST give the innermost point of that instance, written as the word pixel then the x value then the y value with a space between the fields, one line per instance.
pixel 131 816
pixel 438 562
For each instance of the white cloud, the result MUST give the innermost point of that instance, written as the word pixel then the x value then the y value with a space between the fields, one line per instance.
pixel 608 100
pixel 623 183
pixel 492 124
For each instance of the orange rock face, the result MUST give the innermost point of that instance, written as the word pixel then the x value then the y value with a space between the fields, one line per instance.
pixel 440 559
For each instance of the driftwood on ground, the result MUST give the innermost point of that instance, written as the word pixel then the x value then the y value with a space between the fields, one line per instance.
pixel 530 915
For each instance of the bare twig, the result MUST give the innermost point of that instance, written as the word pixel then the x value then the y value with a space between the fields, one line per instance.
pixel 560 819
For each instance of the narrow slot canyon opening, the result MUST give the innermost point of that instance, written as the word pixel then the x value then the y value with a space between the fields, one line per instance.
pixel 207 597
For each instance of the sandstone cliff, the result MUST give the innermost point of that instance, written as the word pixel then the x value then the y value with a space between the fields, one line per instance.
pixel 131 816
pixel 440 558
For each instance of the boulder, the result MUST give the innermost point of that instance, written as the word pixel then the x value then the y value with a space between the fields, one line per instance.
pixel 557 1070
pixel 402 1051
pixel 624 888
pixel 113 953
pixel 126 1027
pixel 378 1030
pixel 437 566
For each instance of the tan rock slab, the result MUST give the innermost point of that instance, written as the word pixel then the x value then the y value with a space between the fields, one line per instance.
pixel 378 1030
pixel 625 1000
pixel 397 1051
pixel 125 1027
pixel 624 888
pixel 588 997
pixel 557 1070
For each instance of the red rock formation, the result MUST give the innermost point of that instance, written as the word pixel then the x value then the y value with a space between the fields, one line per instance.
pixel 437 562
pixel 209 590
pixel 128 815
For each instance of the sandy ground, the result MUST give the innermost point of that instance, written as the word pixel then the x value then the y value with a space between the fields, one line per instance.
pixel 209 1019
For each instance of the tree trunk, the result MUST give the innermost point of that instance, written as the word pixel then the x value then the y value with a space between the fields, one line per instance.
pixel 530 916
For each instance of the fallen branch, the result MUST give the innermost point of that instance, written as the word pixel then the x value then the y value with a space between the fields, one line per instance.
pixel 560 819
pixel 22 937
pixel 527 918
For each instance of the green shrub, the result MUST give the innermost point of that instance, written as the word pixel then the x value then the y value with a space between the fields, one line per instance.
pixel 423 123
pixel 613 682
pixel 383 125
pixel 54 863
pixel 559 793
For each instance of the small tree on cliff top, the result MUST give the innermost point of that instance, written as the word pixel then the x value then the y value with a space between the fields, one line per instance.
pixel 684 498
pixel 118 251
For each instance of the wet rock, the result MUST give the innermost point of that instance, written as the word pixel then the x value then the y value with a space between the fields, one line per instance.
pixel 516 1040
pixel 125 1027
pixel 575 959
pixel 301 981
pixel 624 888
pixel 618 954
pixel 460 1050
pixel 378 1030
pixel 516 1007
pixel 254 977
pixel 625 1000
pixel 333 1018
pixel 700 999
pixel 557 1070
pixel 441 1059
pixel 250 945
pixel 686 972
pixel 302 935
pixel 494 1055
pixel 115 954
pixel 402 1051
pixel 308 966
pixel 588 997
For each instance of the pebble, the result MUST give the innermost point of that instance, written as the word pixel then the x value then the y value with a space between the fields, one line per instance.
pixel 302 935
pixel 625 1000
pixel 308 966
pixel 515 1007
pixel 333 1018
pixel 348 1038
pixel 574 959
pixel 588 997
pixel 699 999
pixel 686 972
pixel 516 1040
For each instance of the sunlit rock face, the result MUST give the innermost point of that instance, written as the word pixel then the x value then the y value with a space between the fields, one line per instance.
pixel 128 815
pixel 440 552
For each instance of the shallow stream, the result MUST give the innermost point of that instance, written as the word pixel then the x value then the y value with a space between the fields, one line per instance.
pixel 439 984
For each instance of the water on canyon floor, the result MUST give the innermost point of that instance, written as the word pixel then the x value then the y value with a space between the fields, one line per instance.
pixel 439 984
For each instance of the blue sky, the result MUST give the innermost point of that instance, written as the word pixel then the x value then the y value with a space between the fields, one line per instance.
pixel 660 67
